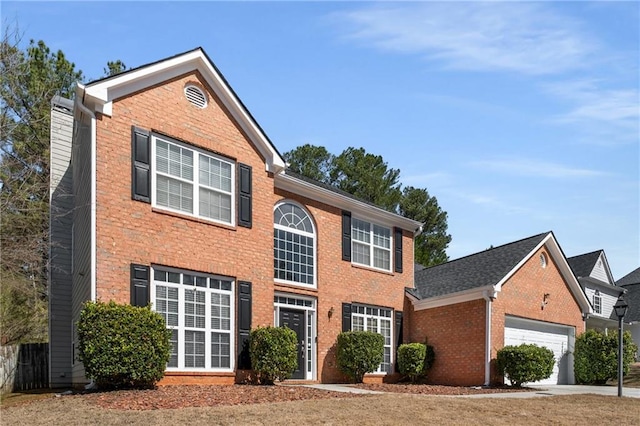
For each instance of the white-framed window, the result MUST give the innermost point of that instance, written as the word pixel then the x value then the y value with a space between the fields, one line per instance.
pixel 198 309
pixel 370 244
pixel 377 320
pixel 597 302
pixel 294 248
pixel 193 182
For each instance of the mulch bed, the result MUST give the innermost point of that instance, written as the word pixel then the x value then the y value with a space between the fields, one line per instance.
pixel 167 397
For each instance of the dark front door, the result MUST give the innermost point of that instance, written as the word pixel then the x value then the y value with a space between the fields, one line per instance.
pixel 295 321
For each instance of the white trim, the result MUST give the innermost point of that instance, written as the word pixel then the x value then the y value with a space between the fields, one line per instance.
pixel 356 207
pixel 371 245
pixel 487 364
pixel 101 94
pixel 452 299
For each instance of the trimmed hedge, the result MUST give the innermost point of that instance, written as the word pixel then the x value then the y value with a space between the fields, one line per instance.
pixel 274 353
pixel 122 345
pixel 359 352
pixel 596 356
pixel 415 359
pixel 525 363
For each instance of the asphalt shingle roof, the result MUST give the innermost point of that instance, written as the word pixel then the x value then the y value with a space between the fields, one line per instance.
pixel 477 270
pixel 583 264
pixel 632 277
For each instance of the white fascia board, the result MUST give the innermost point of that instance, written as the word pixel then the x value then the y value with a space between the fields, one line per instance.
pixel 101 94
pixel 454 298
pixel 565 270
pixel 358 208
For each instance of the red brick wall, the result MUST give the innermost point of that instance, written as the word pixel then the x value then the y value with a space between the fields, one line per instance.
pixel 457 335
pixel 132 232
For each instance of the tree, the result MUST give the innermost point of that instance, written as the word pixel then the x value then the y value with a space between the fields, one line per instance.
pixel 431 244
pixel 312 161
pixel 114 67
pixel 30 79
pixel 369 178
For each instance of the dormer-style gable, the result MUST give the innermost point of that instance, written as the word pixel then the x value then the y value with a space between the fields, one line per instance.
pixel 98 96
pixel 592 266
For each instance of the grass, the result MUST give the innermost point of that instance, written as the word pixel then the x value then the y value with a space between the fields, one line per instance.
pixel 378 409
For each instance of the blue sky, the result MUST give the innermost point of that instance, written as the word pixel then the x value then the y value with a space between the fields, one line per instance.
pixel 519 118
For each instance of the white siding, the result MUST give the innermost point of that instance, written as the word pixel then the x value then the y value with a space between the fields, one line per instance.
pixel 599 272
pixel 82 230
pixel 61 211
pixel 607 301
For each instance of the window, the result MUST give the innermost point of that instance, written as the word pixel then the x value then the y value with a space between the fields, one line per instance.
pixel 197 308
pixel 189 181
pixel 293 245
pixel 543 260
pixel 597 302
pixel 377 320
pixel 370 244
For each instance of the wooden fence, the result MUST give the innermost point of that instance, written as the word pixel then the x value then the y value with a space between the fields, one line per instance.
pixel 24 367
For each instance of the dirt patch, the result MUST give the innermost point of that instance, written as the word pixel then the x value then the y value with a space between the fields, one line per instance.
pixel 438 390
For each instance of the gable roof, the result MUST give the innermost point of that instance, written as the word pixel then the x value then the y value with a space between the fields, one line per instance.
pixel 632 297
pixel 482 269
pixel 583 264
pixel 632 277
pixel 481 275
pixel 99 95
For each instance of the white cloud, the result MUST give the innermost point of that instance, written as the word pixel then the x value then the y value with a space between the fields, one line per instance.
pixel 523 37
pixel 526 167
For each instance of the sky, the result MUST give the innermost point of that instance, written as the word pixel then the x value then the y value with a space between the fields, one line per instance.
pixel 520 118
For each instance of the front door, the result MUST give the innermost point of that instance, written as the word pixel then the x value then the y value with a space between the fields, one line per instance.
pixel 295 321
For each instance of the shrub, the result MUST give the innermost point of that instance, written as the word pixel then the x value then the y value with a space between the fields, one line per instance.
pixel 122 345
pixel 274 353
pixel 411 357
pixel 359 352
pixel 525 363
pixel 596 356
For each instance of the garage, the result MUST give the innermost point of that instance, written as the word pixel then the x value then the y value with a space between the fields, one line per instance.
pixel 559 338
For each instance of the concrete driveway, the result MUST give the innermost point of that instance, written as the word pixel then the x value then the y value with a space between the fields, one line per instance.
pixel 549 390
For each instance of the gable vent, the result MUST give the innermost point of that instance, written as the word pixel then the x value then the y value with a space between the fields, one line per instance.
pixel 196 96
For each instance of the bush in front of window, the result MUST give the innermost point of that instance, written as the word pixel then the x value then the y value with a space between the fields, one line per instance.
pixel 525 363
pixel 122 346
pixel 359 352
pixel 596 356
pixel 274 353
pixel 415 359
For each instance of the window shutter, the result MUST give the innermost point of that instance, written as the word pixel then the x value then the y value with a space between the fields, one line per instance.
pixel 244 324
pixel 398 329
pixel 139 285
pixel 141 162
pixel 244 195
pixel 346 317
pixel 346 235
pixel 397 238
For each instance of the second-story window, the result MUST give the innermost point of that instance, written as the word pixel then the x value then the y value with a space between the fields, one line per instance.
pixel 370 244
pixel 190 181
pixel 293 245
pixel 597 302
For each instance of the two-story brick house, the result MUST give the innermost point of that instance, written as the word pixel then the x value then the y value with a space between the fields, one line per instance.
pixel 165 190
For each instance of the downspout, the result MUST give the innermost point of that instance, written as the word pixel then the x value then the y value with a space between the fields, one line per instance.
pixel 90 113
pixel 489 296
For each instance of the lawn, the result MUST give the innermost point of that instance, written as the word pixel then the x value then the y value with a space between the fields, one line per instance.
pixel 373 409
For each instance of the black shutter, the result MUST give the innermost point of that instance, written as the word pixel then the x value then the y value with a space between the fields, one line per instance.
pixel 244 195
pixel 398 326
pixel 244 324
pixel 346 235
pixel 397 238
pixel 141 161
pixel 139 285
pixel 346 317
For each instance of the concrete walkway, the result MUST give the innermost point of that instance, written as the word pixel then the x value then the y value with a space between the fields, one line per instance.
pixel 540 391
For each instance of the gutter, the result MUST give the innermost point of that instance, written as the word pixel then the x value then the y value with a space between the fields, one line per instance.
pixel 80 94
pixel 489 296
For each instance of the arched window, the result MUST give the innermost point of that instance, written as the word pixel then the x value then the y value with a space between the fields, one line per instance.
pixel 293 245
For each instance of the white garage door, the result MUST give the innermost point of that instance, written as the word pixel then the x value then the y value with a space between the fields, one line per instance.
pixel 560 339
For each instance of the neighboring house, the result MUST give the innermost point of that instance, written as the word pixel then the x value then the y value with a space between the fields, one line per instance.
pixel 631 284
pixel 595 278
pixel 469 308
pixel 165 190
